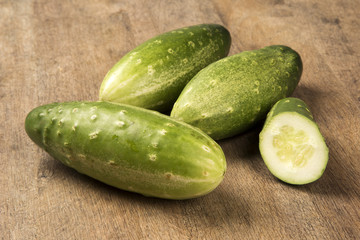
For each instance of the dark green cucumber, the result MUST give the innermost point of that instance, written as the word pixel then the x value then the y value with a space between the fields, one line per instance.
pixel 231 95
pixel 154 73
pixel 291 144
pixel 129 148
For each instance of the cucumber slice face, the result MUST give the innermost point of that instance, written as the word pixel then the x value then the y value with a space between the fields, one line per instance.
pixel 291 144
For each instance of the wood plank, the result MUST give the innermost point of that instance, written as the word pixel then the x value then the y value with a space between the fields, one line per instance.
pixel 61 50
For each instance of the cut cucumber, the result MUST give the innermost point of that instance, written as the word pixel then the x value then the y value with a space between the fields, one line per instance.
pixel 291 144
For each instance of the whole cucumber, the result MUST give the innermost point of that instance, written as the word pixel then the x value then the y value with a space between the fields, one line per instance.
pixel 231 95
pixel 129 148
pixel 153 74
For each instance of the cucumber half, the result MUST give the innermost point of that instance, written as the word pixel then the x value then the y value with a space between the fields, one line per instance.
pixel 291 144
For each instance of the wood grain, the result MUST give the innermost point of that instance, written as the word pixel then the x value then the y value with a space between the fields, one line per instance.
pixel 61 50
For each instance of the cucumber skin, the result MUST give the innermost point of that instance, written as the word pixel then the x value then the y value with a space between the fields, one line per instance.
pixel 129 148
pixel 290 104
pixel 233 94
pixel 297 106
pixel 168 62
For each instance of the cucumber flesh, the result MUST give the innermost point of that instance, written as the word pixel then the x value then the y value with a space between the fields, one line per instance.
pixel 291 144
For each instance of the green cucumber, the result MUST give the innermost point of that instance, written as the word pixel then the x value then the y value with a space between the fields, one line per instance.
pixel 291 144
pixel 153 74
pixel 130 148
pixel 233 94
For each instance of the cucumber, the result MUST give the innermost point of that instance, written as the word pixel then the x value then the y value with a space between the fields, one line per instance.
pixel 291 144
pixel 233 94
pixel 129 148
pixel 153 74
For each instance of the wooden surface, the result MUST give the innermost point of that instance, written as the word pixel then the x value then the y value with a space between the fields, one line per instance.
pixel 61 50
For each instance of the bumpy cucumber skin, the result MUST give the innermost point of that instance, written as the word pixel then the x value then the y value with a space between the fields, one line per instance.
pixel 290 104
pixel 297 106
pixel 129 148
pixel 153 74
pixel 231 95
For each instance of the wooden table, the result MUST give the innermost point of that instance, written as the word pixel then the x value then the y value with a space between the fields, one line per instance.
pixel 61 50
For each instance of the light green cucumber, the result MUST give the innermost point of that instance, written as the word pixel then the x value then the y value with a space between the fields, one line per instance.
pixel 291 144
pixel 130 148
pixel 153 74
pixel 231 95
